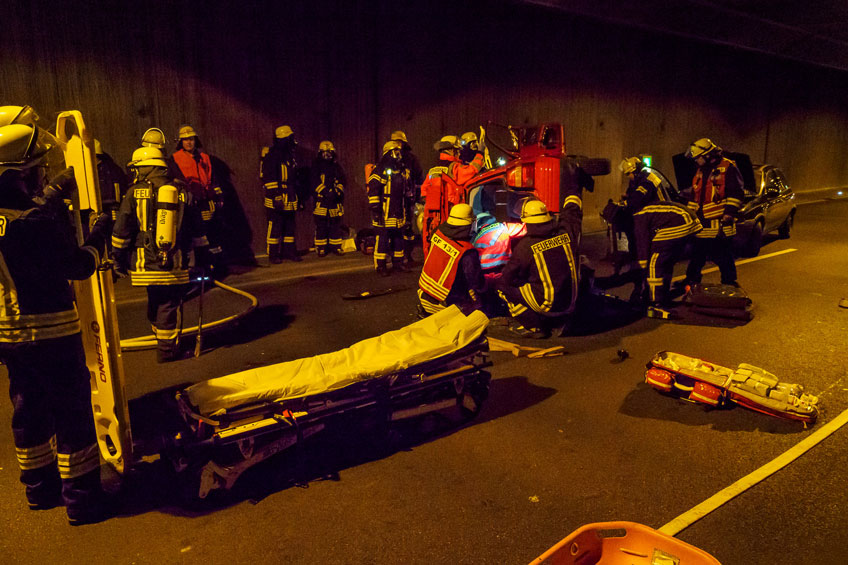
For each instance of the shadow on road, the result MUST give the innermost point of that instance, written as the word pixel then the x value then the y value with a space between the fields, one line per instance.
pixel 263 321
pixel 345 443
pixel 646 402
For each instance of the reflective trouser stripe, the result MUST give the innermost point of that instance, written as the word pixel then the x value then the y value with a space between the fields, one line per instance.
pixel 37 456
pixel 166 334
pixel 654 282
pixel 514 309
pixel 78 463
pixel 429 306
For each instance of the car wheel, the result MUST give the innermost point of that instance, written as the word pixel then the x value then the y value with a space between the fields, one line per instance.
pixel 786 226
pixel 755 241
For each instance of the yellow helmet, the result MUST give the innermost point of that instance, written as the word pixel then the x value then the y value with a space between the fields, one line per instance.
pixel 148 157
pixel 283 132
pixel 391 145
pixel 447 142
pixel 186 132
pixel 17 115
pixel 326 146
pixel 398 136
pixel 461 215
pixel 23 146
pixel 702 148
pixel 98 149
pixel 630 165
pixel 468 137
pixel 534 212
pixel 153 137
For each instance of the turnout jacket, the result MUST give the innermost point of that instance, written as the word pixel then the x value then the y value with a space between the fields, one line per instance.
pixel 277 173
pixel 328 180
pixel 716 192
pixel 113 184
pixel 659 224
pixel 451 271
pixel 643 188
pixel 544 267
pixel 196 169
pixel 443 186
pixel 388 190
pixel 38 255
pixel 134 233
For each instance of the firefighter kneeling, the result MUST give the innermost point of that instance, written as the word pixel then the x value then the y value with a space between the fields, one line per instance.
pixel 451 272
pixel 540 282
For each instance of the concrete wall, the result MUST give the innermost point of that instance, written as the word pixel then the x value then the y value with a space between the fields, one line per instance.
pixel 353 72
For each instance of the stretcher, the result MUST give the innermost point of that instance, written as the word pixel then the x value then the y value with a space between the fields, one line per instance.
pixel 713 385
pixel 232 423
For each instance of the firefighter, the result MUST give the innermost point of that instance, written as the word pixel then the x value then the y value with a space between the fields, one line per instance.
pixel 195 169
pixel 451 272
pixel 661 230
pixel 40 340
pixel 113 181
pixel 328 180
pixel 156 229
pixel 493 242
pixel 541 278
pixel 715 195
pixel 416 177
pixel 277 172
pixel 443 187
pixel 388 187
pixel 469 146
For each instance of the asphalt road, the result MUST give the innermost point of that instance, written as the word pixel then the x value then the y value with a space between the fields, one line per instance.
pixel 561 442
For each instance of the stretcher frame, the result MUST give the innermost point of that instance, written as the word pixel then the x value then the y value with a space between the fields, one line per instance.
pixel 220 448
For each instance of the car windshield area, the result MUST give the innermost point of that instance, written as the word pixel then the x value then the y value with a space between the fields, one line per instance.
pixel 773 180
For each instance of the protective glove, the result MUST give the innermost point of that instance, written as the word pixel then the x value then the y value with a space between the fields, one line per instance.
pixel 100 228
pixel 62 186
pixel 727 220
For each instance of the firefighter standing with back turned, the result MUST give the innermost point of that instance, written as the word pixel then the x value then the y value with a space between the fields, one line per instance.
pixel 388 188
pixel 716 196
pixel 277 173
pixel 157 227
pixel 40 340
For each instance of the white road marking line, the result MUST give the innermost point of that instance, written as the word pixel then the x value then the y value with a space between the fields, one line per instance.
pixel 741 262
pixel 691 516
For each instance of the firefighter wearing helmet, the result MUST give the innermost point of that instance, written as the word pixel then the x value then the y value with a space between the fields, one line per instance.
pixel 156 229
pixel 469 146
pixel 388 190
pixel 195 169
pixel 277 173
pixel 540 281
pixel 715 196
pixel 443 187
pixel 328 184
pixel 451 272
pixel 113 181
pixel 40 340
pixel 416 177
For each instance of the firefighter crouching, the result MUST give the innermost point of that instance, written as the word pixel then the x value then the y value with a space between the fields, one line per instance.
pixel 277 172
pixel 661 230
pixel 157 227
pixel 493 242
pixel 715 195
pixel 443 187
pixel 541 279
pixel 451 272
pixel 388 189
pixel 40 341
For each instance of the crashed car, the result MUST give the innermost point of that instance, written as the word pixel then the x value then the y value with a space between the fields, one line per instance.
pixel 769 202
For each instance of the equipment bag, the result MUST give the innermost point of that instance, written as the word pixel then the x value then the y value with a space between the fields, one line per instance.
pixel 723 296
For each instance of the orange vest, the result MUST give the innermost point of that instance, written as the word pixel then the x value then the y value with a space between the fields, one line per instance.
pixel 196 172
pixel 709 193
pixel 441 265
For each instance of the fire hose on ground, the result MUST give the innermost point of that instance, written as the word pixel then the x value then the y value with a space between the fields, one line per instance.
pixel 149 341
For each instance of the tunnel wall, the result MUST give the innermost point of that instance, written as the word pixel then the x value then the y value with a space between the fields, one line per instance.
pixel 353 72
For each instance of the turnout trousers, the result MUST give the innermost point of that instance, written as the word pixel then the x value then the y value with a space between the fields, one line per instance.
pixel 164 311
pixel 280 235
pixel 718 251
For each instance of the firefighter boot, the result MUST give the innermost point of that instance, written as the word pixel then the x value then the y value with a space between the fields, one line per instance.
pixel 85 500
pixel 43 487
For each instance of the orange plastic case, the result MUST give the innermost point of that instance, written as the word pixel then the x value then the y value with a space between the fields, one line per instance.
pixel 623 543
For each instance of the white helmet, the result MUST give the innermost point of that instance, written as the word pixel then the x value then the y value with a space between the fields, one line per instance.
pixel 153 137
pixel 702 148
pixel 23 146
pixel 447 142
pixel 148 157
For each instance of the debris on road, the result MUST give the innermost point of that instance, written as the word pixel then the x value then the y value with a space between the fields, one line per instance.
pixel 519 350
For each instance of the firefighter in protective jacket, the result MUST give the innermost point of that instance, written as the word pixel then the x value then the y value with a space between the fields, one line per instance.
pixel 661 230
pixel 40 340
pixel 416 176
pixel 443 187
pixel 156 229
pixel 451 272
pixel 277 172
pixel 328 180
pixel 715 195
pixel 388 190
pixel 195 168
pixel 542 276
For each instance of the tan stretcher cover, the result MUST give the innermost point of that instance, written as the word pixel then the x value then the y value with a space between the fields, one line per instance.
pixel 440 334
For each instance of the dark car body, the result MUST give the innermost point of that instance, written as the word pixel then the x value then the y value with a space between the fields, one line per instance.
pixel 768 204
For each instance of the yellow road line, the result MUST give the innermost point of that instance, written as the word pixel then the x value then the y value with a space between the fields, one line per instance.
pixel 691 516
pixel 740 262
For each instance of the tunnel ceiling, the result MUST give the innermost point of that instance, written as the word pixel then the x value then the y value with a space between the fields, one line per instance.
pixel 813 32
